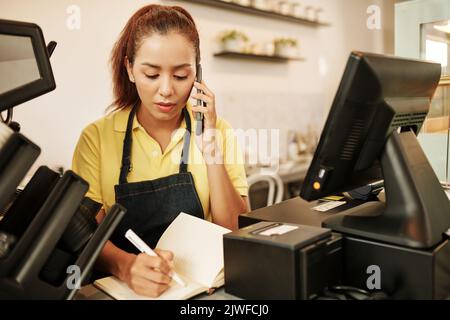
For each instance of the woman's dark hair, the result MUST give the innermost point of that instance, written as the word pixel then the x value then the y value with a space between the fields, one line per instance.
pixel 145 22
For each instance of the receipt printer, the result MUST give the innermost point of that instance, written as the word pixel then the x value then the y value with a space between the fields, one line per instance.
pixel 271 260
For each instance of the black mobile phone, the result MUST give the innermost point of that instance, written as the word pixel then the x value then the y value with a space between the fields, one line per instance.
pixel 199 115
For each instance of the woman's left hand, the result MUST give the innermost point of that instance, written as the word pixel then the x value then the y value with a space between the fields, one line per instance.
pixel 209 116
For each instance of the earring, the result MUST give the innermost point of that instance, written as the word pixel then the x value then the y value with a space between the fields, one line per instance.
pixel 132 80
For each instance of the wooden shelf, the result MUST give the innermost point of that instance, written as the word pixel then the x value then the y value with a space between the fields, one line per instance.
pixel 231 54
pixel 252 10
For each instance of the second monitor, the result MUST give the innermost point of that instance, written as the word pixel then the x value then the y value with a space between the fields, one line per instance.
pixel 370 134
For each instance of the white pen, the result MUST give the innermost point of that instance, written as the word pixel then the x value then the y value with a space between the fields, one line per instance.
pixel 143 247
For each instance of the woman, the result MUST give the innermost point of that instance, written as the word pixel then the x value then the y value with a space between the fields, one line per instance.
pixel 142 155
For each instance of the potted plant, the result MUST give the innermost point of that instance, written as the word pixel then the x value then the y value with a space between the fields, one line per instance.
pixel 285 47
pixel 233 40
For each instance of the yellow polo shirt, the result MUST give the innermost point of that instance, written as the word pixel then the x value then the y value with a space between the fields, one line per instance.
pixel 98 154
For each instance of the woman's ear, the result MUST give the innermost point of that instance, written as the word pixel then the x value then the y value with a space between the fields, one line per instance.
pixel 129 68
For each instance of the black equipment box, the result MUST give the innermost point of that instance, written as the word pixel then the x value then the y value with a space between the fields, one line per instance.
pixel 272 260
pixel 405 273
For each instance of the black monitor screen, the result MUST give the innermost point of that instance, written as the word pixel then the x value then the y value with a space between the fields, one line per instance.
pixel 25 70
pixel 369 135
pixel 377 95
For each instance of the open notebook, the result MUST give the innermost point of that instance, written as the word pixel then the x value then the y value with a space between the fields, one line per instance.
pixel 198 249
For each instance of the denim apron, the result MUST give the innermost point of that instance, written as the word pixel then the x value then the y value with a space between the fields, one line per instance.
pixel 152 205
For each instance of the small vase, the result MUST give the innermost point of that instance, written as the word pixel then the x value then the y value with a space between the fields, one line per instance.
pixel 259 4
pixel 233 45
pixel 285 51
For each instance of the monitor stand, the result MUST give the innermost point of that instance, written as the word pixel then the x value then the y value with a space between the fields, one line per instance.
pixel 416 213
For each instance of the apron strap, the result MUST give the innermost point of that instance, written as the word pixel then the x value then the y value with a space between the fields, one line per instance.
pixel 186 143
pixel 128 142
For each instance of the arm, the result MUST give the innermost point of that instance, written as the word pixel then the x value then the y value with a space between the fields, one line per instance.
pixel 226 203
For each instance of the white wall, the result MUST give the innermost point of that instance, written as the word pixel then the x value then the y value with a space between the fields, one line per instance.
pixel 410 15
pixel 249 94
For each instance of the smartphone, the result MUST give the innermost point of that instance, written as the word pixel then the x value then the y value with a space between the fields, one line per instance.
pixel 199 115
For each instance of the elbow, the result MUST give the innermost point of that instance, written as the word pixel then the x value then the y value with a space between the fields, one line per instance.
pixel 243 208
pixel 245 205
pixel 230 223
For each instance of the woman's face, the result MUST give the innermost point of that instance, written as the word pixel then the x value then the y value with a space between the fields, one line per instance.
pixel 164 73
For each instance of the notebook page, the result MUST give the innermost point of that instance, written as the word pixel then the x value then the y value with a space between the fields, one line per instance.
pixel 119 290
pixel 197 246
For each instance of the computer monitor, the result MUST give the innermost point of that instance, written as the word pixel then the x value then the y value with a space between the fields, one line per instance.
pixel 25 60
pixel 370 134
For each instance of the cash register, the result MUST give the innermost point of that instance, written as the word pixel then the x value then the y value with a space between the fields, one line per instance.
pixel 49 238
pixel 402 238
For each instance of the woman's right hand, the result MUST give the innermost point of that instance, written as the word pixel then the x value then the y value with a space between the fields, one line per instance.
pixel 148 275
